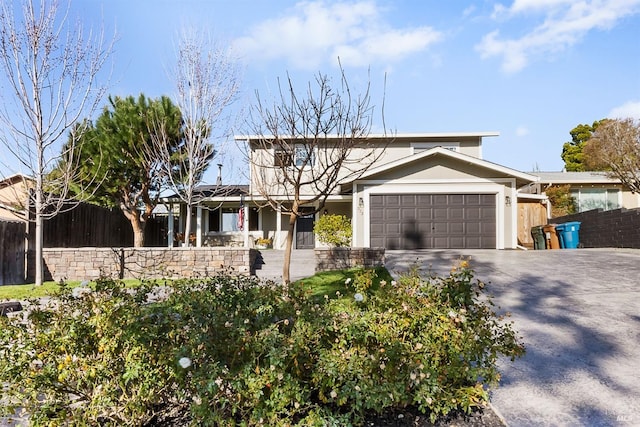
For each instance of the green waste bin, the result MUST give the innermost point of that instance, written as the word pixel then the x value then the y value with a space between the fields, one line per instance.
pixel 568 234
pixel 538 237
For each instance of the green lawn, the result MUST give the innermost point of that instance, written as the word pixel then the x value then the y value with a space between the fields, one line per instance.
pixel 23 292
pixel 325 283
pixel 328 282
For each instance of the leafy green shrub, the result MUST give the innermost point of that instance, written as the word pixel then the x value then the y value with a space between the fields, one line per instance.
pixel 228 350
pixel 562 202
pixel 333 230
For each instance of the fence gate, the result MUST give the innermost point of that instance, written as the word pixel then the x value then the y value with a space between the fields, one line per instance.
pixel 12 252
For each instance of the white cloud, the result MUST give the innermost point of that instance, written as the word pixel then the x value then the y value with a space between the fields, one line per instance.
pixel 629 109
pixel 313 33
pixel 522 131
pixel 565 23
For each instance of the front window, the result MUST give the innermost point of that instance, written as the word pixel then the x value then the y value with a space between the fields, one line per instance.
pixel 596 198
pixel 230 220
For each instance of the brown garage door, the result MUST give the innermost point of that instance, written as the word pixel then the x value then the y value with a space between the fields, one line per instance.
pixel 438 221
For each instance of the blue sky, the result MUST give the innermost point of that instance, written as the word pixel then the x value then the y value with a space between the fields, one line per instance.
pixel 529 69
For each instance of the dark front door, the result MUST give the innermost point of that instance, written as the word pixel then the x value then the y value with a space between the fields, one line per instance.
pixel 438 221
pixel 305 238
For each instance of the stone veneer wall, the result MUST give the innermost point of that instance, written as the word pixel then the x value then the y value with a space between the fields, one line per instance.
pixel 340 258
pixel 127 263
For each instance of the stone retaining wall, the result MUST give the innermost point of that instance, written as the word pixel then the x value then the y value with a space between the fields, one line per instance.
pixel 128 263
pixel 340 258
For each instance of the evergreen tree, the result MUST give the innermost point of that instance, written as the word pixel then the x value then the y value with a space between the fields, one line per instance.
pixel 118 150
pixel 572 151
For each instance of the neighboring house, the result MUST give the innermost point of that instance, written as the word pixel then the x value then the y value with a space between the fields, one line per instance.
pixel 429 190
pixel 14 195
pixel 591 190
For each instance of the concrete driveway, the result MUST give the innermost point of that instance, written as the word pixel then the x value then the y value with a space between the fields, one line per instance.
pixel 578 312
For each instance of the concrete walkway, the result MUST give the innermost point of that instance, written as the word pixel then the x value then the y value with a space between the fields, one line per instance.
pixel 578 312
pixel 270 261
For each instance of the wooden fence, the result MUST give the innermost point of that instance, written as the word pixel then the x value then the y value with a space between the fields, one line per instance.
pixel 12 252
pixel 530 214
pixel 87 225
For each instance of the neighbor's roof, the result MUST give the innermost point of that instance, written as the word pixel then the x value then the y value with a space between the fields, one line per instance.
pixel 213 191
pixel 15 178
pixel 575 178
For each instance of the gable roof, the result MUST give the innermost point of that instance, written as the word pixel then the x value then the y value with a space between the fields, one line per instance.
pixel 522 178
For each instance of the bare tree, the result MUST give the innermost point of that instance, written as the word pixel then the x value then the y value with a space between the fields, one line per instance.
pixel 615 147
pixel 207 81
pixel 51 68
pixel 305 146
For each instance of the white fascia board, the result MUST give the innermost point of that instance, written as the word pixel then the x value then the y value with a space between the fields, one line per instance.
pixel 382 135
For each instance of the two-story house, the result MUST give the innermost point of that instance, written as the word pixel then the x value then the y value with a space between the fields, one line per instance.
pixel 431 190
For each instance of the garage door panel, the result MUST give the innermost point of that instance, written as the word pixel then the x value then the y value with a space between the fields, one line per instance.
pixel 423 199
pixel 457 227
pixel 457 241
pixel 440 214
pixel 487 213
pixel 473 242
pixel 456 199
pixel 440 221
pixel 440 227
pixel 408 214
pixel 423 214
pixel 456 213
pixel 474 228
pixel 473 199
pixel 439 199
pixel 392 214
pixel 473 214
pixel 376 201
pixel 487 199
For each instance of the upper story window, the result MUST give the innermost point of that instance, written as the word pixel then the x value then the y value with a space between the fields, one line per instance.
pixel 596 198
pixel 304 155
pixel 301 156
pixel 419 147
pixel 282 158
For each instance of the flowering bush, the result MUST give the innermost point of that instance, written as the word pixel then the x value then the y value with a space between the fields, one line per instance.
pixel 228 350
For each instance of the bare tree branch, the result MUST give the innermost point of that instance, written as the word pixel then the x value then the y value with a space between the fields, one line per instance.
pixel 51 69
pixel 304 147
pixel 207 80
pixel 615 145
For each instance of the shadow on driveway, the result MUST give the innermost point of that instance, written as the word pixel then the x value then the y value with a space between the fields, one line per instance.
pixel 578 312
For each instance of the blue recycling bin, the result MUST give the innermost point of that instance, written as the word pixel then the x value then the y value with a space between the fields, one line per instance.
pixel 568 233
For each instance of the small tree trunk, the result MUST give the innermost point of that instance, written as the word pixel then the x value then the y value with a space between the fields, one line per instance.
pixel 286 267
pixel 187 227
pixel 138 230
pixel 39 252
pixel 39 234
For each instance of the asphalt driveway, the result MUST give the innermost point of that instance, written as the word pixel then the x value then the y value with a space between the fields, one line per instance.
pixel 578 312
